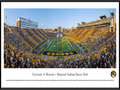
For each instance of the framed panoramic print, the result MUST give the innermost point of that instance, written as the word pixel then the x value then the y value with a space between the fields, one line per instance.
pixel 60 44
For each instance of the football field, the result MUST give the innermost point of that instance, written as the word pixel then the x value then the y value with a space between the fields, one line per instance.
pixel 59 47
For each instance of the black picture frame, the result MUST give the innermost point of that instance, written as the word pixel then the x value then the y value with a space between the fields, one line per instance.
pixel 60 88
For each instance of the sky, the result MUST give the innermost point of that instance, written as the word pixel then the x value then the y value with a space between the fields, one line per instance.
pixel 52 18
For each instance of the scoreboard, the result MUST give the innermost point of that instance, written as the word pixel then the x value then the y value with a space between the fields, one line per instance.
pixel 26 23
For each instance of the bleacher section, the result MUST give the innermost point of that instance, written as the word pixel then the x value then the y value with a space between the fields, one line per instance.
pixel 101 22
pixel 29 37
pixel 43 34
pixel 51 34
pixel 94 34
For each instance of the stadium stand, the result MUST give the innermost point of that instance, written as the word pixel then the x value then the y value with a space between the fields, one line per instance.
pixel 97 37
pixel 37 35
pixel 50 33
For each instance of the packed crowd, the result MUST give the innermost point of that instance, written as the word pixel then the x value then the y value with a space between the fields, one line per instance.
pixel 16 59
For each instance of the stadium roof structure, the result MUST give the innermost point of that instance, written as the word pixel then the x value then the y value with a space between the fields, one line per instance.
pixel 103 16
pixel 98 22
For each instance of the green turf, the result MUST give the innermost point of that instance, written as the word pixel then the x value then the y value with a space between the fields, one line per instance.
pixel 83 47
pixel 40 45
pixel 59 45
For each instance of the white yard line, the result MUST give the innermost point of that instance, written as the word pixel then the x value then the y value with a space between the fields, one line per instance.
pixel 73 47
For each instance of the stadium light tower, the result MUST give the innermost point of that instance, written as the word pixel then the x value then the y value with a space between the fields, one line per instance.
pixel 6 16
pixel 112 13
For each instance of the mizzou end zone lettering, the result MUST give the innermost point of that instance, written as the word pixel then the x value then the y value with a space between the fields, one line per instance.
pixel 59 54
